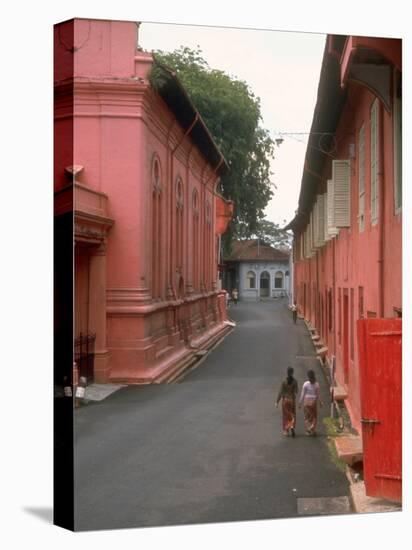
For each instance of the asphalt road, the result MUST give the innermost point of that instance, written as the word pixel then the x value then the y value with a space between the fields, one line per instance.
pixel 208 448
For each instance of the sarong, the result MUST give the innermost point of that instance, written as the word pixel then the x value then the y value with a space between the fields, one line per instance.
pixel 288 413
pixel 310 413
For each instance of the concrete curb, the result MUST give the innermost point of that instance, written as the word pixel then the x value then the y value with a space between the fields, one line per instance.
pixel 207 351
pixel 363 504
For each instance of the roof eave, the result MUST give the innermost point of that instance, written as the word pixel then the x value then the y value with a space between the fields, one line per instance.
pixel 329 106
pixel 189 118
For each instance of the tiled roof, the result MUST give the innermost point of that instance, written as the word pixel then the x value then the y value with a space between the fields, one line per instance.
pixel 250 250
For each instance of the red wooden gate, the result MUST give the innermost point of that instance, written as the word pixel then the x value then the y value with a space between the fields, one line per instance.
pixel 380 360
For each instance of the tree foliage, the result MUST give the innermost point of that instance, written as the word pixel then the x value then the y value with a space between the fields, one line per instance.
pixel 232 114
pixel 271 233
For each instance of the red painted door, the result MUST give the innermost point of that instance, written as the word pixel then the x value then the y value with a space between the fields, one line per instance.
pixel 380 361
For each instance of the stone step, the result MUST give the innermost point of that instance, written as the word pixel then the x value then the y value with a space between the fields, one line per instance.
pixel 339 393
pixel 322 352
pixel 349 448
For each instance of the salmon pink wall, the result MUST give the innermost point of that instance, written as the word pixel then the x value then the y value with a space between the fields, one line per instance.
pixel 137 258
pixel 356 253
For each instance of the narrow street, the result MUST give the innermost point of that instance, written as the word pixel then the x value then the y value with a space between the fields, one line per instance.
pixel 208 448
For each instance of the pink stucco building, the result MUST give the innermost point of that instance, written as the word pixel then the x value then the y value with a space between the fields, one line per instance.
pixel 348 225
pixel 141 174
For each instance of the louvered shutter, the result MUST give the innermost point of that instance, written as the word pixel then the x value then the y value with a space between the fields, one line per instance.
pixel 311 251
pixel 397 134
pixel 315 225
pixel 302 250
pixel 319 230
pixel 332 230
pixel 361 179
pixel 321 219
pixel 306 243
pixel 308 251
pixel 374 161
pixel 341 192
pixel 325 217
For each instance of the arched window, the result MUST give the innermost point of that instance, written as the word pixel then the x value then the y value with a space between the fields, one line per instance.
pixel 279 279
pixel 179 224
pixel 195 238
pixel 250 279
pixel 156 226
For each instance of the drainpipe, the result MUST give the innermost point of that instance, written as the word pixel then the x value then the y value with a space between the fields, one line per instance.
pixel 381 217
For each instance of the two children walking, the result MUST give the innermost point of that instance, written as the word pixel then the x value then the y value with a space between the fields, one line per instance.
pixel 309 398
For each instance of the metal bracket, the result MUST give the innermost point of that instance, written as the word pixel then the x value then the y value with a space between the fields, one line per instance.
pixel 370 421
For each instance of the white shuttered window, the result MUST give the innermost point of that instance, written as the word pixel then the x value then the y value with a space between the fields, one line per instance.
pixel 325 214
pixel 311 233
pixel 374 162
pixel 332 230
pixel 341 192
pixel 361 179
pixel 397 132
pixel 315 224
pixel 320 221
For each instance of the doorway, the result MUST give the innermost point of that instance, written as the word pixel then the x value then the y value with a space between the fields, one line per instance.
pixel 264 284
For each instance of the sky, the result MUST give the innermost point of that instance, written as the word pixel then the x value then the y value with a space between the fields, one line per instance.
pixel 281 68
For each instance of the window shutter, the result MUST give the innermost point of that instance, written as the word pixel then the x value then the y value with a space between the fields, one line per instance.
pixel 308 239
pixel 302 242
pixel 362 160
pixel 361 179
pixel 374 161
pixel 325 210
pixel 321 219
pixel 341 192
pixel 397 131
pixel 316 225
pixel 332 230
pixel 311 251
pixel 306 242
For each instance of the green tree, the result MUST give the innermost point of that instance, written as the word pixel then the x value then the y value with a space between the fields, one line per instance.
pixel 272 234
pixel 232 114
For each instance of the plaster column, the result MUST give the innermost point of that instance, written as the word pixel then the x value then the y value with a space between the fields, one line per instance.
pixel 97 311
pixel 143 221
pixel 212 237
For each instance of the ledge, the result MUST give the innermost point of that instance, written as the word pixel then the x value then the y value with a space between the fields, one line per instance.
pixel 339 393
pixel 349 448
